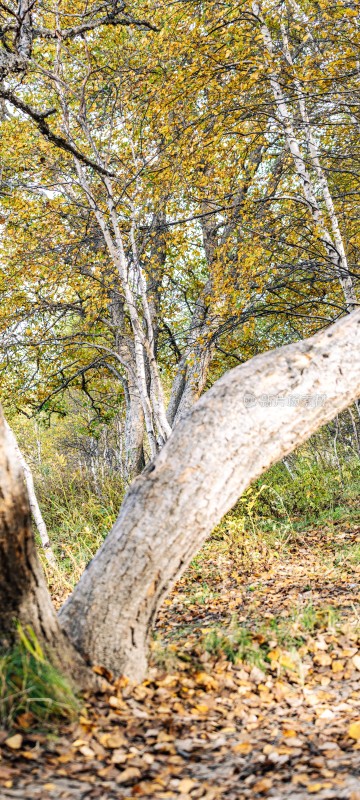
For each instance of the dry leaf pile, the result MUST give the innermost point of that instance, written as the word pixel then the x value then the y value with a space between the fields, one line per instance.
pixel 254 692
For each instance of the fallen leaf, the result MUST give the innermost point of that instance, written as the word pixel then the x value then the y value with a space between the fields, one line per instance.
pixel 203 709
pixel 112 740
pixel 6 773
pixel 129 775
pixel 31 755
pixel 243 747
pixel 323 659
pixel 337 665
pixel 356 661
pixel 86 751
pixel 263 786
pixel 118 757
pixel 204 679
pixel 115 702
pixel 354 730
pixel 257 675
pixel 14 742
pixel 25 720
pixel 289 732
pixel 186 785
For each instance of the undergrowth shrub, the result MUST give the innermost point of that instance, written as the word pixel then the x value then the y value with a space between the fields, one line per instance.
pixel 275 503
pixel 77 518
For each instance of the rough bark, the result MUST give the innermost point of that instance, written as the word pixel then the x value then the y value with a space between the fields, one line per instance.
pixel 233 433
pixel 24 597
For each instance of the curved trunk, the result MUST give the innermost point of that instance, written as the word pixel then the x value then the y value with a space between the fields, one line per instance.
pixel 252 417
pixel 24 597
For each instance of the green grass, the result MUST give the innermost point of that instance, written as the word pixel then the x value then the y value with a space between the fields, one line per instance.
pixel 30 685
pixel 250 645
pixel 78 521
pixel 348 554
pixel 201 595
pixel 237 644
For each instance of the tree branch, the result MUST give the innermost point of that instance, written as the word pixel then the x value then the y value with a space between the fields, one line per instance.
pixel 40 120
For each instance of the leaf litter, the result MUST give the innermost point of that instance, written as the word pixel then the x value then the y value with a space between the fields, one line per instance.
pixel 253 692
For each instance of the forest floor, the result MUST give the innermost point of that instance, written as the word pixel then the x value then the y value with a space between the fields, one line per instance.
pixel 253 692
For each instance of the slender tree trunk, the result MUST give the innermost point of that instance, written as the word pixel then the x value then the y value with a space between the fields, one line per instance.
pixel 34 505
pixel 343 267
pixel 226 441
pixel 153 403
pixel 134 434
pixel 193 367
pixel 334 246
pixel 24 597
pixel 355 430
pixel 177 390
pixel 194 381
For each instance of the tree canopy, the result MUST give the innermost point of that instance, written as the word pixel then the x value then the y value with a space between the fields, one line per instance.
pixel 173 180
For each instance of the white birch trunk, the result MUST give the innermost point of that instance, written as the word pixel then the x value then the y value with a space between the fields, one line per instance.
pixel 347 281
pixel 34 505
pixel 285 118
pixel 156 423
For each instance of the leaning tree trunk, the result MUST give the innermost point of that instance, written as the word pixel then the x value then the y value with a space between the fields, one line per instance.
pixel 24 597
pixel 252 417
